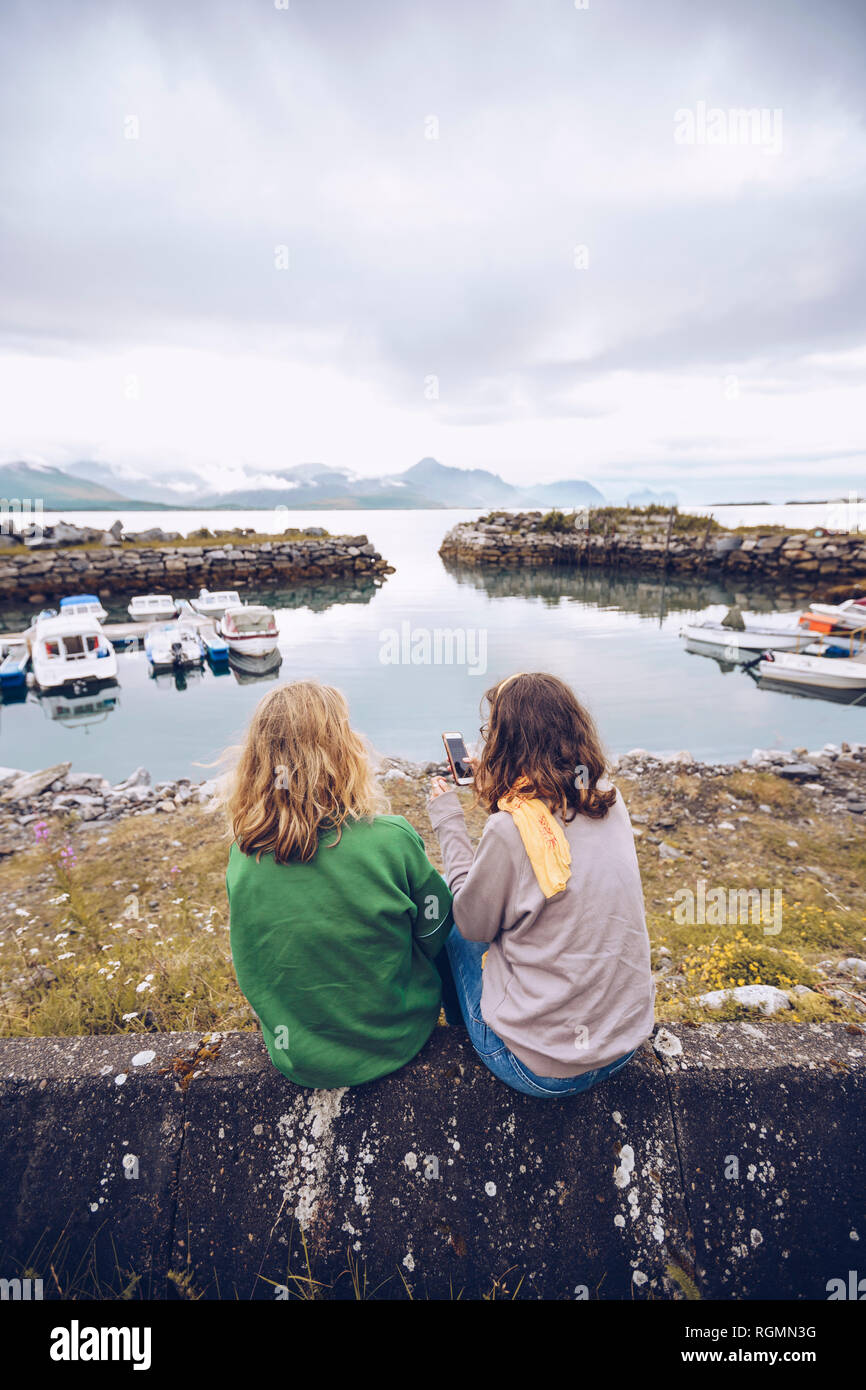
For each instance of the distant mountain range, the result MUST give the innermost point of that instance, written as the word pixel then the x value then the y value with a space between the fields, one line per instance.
pixel 89 485
pixel 24 485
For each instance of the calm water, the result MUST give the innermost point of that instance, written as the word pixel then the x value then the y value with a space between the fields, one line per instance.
pixel 616 640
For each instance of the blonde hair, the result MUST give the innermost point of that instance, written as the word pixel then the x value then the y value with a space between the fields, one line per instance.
pixel 301 770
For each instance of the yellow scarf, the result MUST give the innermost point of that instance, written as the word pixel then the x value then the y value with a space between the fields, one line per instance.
pixel 543 839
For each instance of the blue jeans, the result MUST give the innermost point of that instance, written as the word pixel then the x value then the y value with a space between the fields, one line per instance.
pixel 464 957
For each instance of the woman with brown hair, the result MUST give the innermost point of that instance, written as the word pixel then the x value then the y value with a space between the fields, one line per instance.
pixel 549 952
pixel 336 912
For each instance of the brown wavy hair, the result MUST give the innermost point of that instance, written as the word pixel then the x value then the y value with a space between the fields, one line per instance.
pixel 302 770
pixel 538 738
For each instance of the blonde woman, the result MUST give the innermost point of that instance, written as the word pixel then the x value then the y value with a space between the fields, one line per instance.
pixel 550 953
pixel 336 912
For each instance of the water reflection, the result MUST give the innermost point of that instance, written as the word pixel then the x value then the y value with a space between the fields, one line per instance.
pixel 315 595
pixel 644 596
pixel 247 669
pixel 79 711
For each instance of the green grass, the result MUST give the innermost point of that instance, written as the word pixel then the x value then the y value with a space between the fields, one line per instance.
pixel 131 936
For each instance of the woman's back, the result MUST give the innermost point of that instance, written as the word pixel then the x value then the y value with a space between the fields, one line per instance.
pixel 335 954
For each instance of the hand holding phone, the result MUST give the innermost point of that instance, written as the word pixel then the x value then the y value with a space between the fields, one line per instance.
pixel 458 758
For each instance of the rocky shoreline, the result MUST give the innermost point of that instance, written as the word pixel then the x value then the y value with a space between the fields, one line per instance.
pixel 37 575
pixel 834 774
pixel 650 542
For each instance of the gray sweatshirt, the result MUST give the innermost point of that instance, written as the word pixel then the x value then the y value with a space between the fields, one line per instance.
pixel 567 980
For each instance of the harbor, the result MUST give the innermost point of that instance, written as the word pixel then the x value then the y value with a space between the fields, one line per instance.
pixel 613 634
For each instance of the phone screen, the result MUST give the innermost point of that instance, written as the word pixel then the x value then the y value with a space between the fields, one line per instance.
pixel 458 754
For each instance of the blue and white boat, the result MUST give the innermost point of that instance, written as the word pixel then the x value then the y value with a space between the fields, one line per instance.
pixel 13 667
pixel 83 606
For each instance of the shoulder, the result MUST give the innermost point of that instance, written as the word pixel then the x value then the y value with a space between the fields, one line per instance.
pixel 393 828
pixel 500 829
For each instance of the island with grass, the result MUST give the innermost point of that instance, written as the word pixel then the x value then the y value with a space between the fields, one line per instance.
pixel 661 539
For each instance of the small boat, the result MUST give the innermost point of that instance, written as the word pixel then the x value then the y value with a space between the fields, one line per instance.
pixel 216 650
pixel 70 651
pixel 735 645
pixel 213 603
pixel 13 667
pixel 814 672
pixel 84 606
pixel 249 630
pixel 850 614
pixel 152 608
pixel 173 647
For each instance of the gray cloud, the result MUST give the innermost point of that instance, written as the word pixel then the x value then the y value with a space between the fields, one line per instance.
pixel 451 256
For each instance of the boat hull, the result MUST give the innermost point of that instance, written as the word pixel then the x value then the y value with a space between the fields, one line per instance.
pixel 727 644
pixel 161 660
pixel 816 672
pixel 80 675
pixel 250 646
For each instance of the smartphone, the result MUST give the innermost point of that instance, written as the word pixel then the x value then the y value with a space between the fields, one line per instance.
pixel 458 758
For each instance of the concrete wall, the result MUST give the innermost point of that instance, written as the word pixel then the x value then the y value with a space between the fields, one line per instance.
pixel 438 1176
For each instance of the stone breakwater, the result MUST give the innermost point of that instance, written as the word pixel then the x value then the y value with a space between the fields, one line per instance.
pixel 39 575
pixel 646 545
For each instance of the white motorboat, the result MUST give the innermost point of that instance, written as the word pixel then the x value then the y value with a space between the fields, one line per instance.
pixel 84 606
pixel 152 608
pixel 173 647
pixel 735 645
pixel 213 603
pixel 249 630
pixel 70 651
pixel 815 672
pixel 850 614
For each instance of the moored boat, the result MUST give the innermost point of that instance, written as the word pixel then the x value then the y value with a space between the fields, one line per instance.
pixel 249 630
pixel 13 667
pixel 173 646
pixel 216 650
pixel 735 645
pixel 212 603
pixel 823 617
pixel 83 606
pixel 70 651
pixel 815 672
pixel 152 608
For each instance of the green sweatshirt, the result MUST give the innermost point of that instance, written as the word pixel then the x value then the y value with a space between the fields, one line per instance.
pixel 336 956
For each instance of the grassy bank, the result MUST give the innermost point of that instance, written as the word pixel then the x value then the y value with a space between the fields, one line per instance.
pixel 598 521
pixel 124 928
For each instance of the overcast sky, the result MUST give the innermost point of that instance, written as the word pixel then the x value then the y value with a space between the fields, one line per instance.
pixel 502 250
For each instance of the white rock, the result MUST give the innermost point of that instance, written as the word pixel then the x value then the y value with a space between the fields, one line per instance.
pixel 139 778
pixel 667 851
pixel 32 783
pixel 667 1044
pixel 767 998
